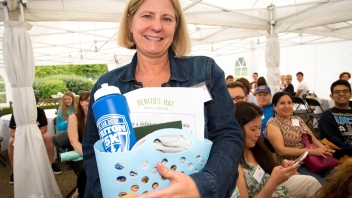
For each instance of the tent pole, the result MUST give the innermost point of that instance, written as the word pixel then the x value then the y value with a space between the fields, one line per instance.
pixel 272 22
pixel 6 12
pixel 21 13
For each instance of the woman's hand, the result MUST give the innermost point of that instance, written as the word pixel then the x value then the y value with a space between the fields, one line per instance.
pixel 286 163
pixel 280 174
pixel 181 185
pixel 322 151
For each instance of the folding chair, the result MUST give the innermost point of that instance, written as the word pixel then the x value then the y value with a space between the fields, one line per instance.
pixel 61 140
pixel 1 139
pixel 301 107
pixel 313 102
pixel 268 144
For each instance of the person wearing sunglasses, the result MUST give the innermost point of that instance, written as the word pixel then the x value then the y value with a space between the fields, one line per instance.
pixel 335 124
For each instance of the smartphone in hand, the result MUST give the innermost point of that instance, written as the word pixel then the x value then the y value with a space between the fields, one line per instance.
pixel 300 158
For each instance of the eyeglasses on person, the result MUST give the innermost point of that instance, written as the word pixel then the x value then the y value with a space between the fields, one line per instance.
pixel 345 91
pixel 238 98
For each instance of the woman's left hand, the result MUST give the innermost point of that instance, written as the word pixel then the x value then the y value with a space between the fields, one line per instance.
pixel 181 185
pixel 286 163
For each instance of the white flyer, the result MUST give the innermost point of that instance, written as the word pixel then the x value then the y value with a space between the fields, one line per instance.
pixel 157 105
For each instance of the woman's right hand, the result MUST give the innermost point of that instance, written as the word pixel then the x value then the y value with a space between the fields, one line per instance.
pixel 322 151
pixel 280 174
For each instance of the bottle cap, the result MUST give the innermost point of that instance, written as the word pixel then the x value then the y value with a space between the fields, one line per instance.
pixel 106 90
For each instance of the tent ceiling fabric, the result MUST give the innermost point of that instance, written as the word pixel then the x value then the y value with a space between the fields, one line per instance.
pixel 84 32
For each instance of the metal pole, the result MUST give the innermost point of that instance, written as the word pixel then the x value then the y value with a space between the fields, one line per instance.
pixel 272 22
pixel 6 12
pixel 21 13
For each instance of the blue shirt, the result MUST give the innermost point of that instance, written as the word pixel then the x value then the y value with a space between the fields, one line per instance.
pixel 219 176
pixel 268 112
pixel 61 123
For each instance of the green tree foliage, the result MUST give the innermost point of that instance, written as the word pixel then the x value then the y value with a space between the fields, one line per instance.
pixel 88 71
pixel 51 87
pixel 76 84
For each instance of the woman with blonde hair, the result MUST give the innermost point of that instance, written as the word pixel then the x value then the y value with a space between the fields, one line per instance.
pixel 158 31
pixel 289 87
pixel 67 107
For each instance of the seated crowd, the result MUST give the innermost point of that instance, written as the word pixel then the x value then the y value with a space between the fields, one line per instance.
pixel 261 116
pixel 70 120
pixel 272 119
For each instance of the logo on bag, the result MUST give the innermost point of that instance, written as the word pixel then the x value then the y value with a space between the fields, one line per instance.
pixel 114 133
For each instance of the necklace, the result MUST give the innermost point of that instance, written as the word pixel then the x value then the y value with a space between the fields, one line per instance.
pixel 148 84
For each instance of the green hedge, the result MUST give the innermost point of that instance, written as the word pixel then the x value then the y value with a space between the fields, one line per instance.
pixel 87 71
pixel 47 86
pixel 51 87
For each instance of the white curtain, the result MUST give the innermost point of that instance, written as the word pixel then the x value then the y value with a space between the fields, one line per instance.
pixel 272 61
pixel 33 175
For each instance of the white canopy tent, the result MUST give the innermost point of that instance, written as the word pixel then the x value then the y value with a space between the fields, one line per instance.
pixel 84 32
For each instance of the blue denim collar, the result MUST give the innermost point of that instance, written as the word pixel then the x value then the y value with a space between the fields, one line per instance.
pixel 177 69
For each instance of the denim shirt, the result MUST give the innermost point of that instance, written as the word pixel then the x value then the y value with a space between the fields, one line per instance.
pixel 219 176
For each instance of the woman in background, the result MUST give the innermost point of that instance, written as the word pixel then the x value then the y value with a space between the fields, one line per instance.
pixel 256 156
pixel 284 132
pixel 282 83
pixel 345 76
pixel 261 81
pixel 289 87
pixel 76 125
pixel 67 107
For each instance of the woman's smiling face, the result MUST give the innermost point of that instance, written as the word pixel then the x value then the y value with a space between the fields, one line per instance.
pixel 153 27
pixel 284 106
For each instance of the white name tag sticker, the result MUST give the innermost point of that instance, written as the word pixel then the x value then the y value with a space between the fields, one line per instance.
pixel 205 93
pixel 258 174
pixel 295 122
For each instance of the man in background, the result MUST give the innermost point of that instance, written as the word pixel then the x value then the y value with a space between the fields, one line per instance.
pixel 255 79
pixel 229 79
pixel 237 91
pixel 263 95
pixel 42 123
pixel 302 87
pixel 335 124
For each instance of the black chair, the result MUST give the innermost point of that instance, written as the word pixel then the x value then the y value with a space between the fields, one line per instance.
pixel 350 103
pixel 268 144
pixel 1 139
pixel 61 140
pixel 304 96
pixel 310 103
pixel 301 107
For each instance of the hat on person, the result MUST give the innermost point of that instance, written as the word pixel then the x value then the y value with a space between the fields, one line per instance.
pixel 263 88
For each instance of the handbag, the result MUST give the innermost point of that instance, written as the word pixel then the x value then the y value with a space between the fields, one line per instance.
pixel 316 163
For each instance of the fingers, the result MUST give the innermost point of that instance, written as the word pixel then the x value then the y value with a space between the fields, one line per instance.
pixel 165 172
pixel 287 163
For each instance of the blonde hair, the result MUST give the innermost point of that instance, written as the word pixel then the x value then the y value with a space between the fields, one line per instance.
pixel 65 108
pixel 289 76
pixel 181 44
